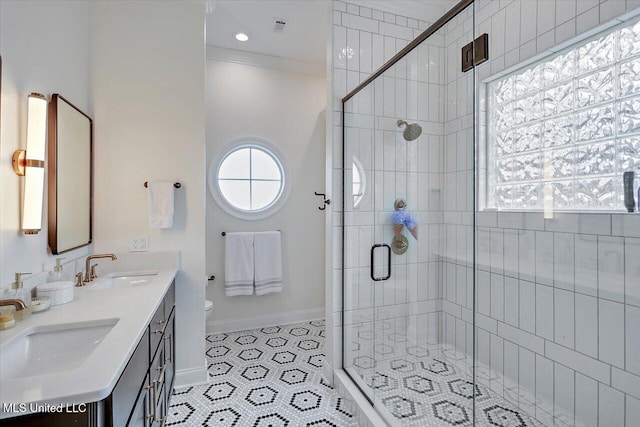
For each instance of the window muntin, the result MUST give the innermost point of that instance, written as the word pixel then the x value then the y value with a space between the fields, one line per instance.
pixel 562 131
pixel 250 178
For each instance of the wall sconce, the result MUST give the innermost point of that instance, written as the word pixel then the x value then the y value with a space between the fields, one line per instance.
pixel 30 163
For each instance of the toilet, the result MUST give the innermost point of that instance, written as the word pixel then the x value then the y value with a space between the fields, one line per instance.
pixel 208 309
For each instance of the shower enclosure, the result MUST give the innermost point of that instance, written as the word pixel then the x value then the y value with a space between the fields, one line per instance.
pixel 484 281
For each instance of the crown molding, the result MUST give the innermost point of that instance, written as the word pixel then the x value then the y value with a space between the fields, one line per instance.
pixel 265 61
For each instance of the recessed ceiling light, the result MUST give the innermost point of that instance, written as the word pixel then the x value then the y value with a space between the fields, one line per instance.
pixel 242 37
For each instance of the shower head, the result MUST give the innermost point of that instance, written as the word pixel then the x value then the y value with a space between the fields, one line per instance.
pixel 411 131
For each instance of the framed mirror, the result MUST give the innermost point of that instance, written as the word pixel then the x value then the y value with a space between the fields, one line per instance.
pixel 70 178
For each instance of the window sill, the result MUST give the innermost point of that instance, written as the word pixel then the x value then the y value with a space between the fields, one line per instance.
pixel 565 211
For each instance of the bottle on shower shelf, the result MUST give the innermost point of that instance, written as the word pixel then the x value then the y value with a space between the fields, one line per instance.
pixel 629 197
pixel 636 186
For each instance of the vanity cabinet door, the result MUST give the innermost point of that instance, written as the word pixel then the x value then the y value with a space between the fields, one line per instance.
pixel 169 354
pixel 159 322
pixel 162 409
pixel 140 417
pixel 131 381
pixel 157 375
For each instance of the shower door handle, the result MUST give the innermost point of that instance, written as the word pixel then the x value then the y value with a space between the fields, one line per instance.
pixel 373 250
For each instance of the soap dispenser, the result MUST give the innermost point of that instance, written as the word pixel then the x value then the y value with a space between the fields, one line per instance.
pixel 57 275
pixel 22 294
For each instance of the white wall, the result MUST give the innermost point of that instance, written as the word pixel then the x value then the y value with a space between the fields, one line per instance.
pixel 44 47
pixel 148 63
pixel 284 103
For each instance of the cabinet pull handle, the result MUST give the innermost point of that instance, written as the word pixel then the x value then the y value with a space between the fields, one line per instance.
pixel 170 338
pixel 154 417
pixel 154 403
pixel 147 416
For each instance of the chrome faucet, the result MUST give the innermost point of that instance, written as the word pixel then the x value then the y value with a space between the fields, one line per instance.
pixel 90 270
pixel 17 303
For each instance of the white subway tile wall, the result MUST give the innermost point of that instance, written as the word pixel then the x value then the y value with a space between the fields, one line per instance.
pixel 363 39
pixel 547 290
pixel 572 282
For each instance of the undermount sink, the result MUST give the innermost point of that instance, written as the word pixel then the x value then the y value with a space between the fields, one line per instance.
pixel 51 349
pixel 124 280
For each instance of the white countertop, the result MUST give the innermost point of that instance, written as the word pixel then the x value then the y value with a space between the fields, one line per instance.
pixel 97 376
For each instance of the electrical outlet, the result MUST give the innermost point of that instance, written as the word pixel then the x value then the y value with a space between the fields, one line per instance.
pixel 139 244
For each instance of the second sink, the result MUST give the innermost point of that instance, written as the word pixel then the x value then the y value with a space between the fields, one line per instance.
pixel 124 280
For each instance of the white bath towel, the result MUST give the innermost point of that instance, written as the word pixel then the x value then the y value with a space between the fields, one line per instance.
pixel 238 264
pixel 160 195
pixel 267 250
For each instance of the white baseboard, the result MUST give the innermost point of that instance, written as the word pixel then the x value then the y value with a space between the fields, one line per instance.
pixel 233 325
pixel 192 376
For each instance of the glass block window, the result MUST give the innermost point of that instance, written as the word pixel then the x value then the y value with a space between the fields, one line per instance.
pixel 562 131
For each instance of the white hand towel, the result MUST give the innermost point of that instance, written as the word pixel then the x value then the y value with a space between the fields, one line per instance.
pixel 238 264
pixel 160 204
pixel 267 249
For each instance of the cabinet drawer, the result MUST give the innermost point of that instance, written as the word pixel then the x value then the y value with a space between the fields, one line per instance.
pixel 141 409
pixel 131 381
pixel 170 299
pixel 155 371
pixel 156 329
pixel 158 373
pixel 169 352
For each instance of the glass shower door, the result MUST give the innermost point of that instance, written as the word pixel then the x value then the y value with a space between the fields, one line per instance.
pixel 408 279
pixel 359 225
pixel 392 235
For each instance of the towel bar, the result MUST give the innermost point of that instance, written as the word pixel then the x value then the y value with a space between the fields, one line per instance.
pixel 224 233
pixel 175 184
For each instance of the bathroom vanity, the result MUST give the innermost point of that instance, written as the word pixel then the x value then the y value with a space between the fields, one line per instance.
pixel 141 396
pixel 125 380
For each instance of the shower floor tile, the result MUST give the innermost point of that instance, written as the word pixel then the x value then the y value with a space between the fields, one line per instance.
pixel 430 390
pixel 263 377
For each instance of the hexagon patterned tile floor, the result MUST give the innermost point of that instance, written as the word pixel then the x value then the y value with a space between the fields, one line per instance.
pixel 427 384
pixel 263 377
pixel 272 377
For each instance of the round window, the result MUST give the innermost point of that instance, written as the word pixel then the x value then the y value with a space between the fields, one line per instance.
pixel 249 180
